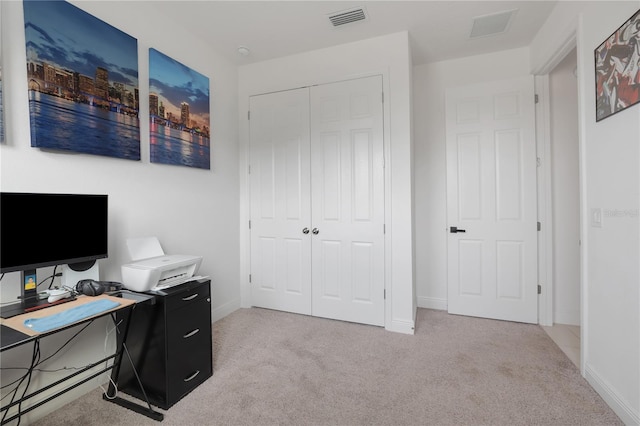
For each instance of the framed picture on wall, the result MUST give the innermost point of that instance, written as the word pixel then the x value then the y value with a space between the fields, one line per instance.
pixel 82 82
pixel 179 124
pixel 617 62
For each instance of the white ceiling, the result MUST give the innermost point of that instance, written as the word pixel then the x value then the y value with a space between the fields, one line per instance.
pixel 438 30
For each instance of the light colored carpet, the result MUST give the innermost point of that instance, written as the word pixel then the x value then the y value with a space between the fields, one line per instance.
pixel 275 368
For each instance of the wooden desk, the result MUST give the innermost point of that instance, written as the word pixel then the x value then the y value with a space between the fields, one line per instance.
pixel 14 333
pixel 17 322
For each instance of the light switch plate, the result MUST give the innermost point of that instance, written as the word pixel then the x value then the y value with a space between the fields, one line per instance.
pixel 596 218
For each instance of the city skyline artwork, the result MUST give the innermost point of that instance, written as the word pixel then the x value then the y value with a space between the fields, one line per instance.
pixel 82 80
pixel 1 105
pixel 179 119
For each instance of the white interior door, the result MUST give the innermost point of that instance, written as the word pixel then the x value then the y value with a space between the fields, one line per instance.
pixel 347 184
pixel 491 195
pixel 280 201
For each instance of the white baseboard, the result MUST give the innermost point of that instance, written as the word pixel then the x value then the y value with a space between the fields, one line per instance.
pixel 432 303
pixel 224 310
pixel 617 404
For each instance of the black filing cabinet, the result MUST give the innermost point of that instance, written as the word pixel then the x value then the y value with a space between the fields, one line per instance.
pixel 170 343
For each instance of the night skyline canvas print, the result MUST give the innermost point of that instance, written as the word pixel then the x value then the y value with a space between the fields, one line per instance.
pixel 179 113
pixel 83 82
pixel 1 102
pixel 1 105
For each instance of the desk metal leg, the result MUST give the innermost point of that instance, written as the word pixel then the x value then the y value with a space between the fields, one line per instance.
pixel 57 394
pixel 146 411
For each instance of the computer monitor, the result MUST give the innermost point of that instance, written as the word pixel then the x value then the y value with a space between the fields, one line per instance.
pixel 46 229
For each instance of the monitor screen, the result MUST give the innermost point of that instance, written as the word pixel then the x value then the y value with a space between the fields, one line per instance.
pixel 38 230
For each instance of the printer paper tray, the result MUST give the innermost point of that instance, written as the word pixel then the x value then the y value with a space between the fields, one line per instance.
pixel 173 283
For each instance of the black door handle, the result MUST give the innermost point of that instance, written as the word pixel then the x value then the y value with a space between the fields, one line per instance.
pixel 454 230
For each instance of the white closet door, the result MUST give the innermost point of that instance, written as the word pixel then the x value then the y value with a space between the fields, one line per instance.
pixel 280 201
pixel 491 195
pixel 347 187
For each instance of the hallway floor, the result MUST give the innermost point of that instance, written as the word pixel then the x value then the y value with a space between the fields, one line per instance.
pixel 567 337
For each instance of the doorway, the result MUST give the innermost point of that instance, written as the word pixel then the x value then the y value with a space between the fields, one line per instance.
pixel 565 206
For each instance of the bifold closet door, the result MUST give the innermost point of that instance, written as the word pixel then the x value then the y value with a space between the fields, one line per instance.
pixel 347 199
pixel 317 201
pixel 280 201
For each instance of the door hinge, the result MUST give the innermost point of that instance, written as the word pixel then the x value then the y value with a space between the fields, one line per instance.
pixel 248 115
pixel 382 97
pixel 539 226
pixel 249 278
pixel 539 289
pixel 249 224
pixel 384 228
pixel 384 294
pixel 536 98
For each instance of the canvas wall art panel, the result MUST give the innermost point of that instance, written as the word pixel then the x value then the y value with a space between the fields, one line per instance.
pixel 617 62
pixel 179 127
pixel 83 82
pixel 1 97
pixel 1 105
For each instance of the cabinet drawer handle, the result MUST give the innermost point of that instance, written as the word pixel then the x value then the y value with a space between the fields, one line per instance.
pixel 191 377
pixel 193 296
pixel 186 336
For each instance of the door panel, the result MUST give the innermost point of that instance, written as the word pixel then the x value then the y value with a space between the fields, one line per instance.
pixel 469 178
pixel 470 277
pixel 280 201
pixel 331 154
pixel 348 200
pixel 510 266
pixel 509 168
pixel 491 195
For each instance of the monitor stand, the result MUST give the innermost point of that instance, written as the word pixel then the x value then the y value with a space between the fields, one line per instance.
pixel 12 310
pixel 28 295
pixel 29 300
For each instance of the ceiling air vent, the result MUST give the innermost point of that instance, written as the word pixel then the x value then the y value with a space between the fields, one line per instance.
pixel 348 16
pixel 496 23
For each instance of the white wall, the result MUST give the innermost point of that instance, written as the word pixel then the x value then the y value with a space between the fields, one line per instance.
pixel 389 56
pixel 429 84
pixel 563 87
pixel 609 162
pixel 192 211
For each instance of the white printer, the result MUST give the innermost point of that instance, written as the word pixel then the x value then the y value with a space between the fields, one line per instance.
pixel 151 269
